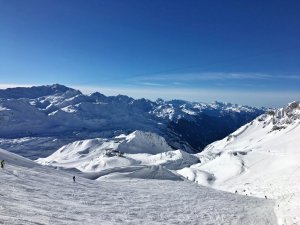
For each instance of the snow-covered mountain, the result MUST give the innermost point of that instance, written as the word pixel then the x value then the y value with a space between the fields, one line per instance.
pixel 36 121
pixel 261 159
pixel 136 149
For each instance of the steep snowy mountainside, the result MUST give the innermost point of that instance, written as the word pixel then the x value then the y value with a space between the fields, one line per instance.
pixel 136 149
pixel 262 158
pixel 37 194
pixel 63 115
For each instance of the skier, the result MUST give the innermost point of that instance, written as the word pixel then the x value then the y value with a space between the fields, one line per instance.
pixel 2 164
pixel 74 178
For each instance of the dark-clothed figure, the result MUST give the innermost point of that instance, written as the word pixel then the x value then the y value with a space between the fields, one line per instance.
pixel 2 163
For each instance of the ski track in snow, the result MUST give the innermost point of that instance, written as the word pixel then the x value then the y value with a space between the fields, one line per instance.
pixel 42 195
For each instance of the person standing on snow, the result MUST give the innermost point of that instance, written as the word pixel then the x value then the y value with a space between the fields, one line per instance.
pixel 2 164
pixel 74 178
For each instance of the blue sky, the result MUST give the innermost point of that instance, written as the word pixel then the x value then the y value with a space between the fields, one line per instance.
pixel 243 52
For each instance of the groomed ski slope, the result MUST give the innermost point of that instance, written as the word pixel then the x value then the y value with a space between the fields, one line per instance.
pixel 35 194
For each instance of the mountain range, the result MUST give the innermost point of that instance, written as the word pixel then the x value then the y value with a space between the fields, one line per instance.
pixel 36 121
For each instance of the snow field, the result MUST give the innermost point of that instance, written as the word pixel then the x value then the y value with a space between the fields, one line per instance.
pixel 33 194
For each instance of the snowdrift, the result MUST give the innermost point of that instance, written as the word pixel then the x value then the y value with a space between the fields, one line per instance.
pixel 155 172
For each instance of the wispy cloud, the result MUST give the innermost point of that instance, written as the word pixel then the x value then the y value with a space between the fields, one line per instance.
pixel 207 76
pixel 151 84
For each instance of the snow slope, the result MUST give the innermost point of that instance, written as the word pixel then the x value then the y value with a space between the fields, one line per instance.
pixel 136 149
pixel 34 194
pixel 262 158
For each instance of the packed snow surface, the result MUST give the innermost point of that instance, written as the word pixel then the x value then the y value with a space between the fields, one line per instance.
pixel 35 194
pixel 260 159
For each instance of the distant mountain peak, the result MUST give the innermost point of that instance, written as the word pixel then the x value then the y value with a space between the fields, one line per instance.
pixel 34 91
pixel 59 87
